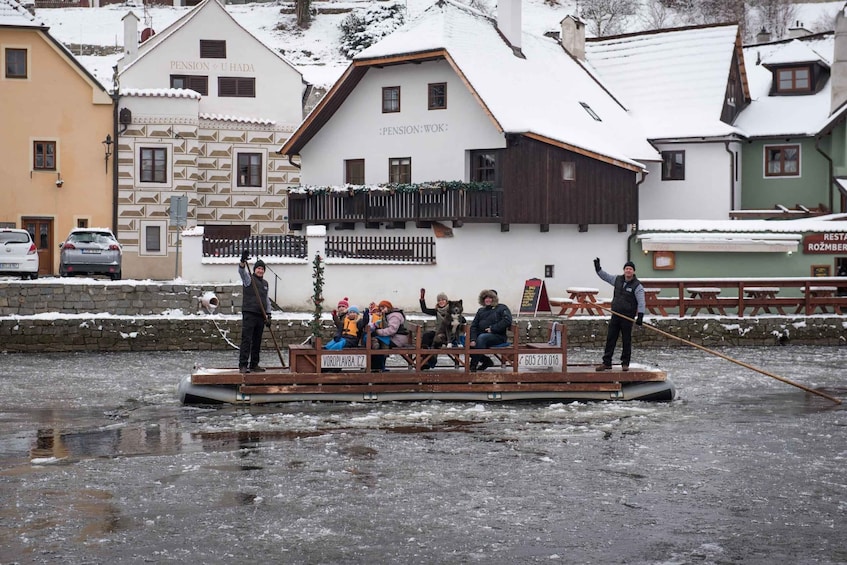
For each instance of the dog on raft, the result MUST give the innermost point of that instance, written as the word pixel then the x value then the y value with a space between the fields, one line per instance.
pixel 452 327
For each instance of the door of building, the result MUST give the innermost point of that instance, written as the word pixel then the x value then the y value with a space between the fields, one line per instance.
pixel 41 230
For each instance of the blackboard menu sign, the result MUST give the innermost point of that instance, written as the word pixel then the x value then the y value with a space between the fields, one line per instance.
pixel 534 298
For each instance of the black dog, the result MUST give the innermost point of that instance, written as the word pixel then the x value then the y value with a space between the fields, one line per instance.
pixel 452 327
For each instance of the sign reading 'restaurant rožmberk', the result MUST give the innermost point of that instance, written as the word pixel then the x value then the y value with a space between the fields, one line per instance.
pixel 825 243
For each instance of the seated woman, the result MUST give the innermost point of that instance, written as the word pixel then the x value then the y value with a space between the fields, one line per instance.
pixel 351 330
pixel 488 328
pixel 390 332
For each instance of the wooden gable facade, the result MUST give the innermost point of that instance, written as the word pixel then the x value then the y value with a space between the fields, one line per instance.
pixel 535 190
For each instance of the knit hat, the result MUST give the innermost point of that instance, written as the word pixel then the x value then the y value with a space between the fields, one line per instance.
pixel 258 263
pixel 441 296
pixel 343 303
pixel 353 309
pixel 386 304
pixel 629 264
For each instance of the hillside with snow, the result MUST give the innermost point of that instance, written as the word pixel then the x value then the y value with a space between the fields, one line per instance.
pixel 315 51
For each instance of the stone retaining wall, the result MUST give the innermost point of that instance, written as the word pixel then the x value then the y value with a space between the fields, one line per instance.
pixel 33 334
pixel 26 298
pixel 143 316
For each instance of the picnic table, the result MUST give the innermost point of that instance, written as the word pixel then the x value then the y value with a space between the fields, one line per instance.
pixel 763 293
pixel 585 300
pixel 706 297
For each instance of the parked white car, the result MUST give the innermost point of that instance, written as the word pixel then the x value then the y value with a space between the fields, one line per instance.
pixel 18 254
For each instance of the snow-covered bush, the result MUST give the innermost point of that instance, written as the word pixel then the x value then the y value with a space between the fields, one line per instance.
pixel 365 26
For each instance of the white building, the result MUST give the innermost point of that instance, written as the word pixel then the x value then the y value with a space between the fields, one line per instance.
pixel 203 107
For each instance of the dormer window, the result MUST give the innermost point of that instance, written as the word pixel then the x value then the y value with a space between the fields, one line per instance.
pixel 793 80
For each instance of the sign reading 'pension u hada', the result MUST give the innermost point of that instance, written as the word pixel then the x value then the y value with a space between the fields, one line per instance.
pixel 823 243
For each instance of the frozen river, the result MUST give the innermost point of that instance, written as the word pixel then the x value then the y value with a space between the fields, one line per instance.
pixel 100 464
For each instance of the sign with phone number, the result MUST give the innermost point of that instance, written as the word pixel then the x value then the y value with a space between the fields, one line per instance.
pixel 540 361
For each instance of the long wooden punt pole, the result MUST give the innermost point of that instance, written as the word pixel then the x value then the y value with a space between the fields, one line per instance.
pixel 728 358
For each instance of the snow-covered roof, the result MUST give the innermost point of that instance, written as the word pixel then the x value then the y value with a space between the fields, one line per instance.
pixel 161 93
pixel 240 119
pixel 827 223
pixel 794 51
pixel 542 93
pixel 163 35
pixel 802 115
pixel 673 81
pixel 12 14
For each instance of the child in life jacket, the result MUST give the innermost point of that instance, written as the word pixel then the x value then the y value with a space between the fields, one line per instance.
pixel 351 329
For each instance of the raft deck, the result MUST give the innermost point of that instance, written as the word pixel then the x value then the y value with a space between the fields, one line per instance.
pixel 524 372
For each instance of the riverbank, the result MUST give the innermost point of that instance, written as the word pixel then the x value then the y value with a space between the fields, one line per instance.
pixel 93 315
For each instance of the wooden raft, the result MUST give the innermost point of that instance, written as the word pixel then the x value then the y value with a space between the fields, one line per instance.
pixel 529 368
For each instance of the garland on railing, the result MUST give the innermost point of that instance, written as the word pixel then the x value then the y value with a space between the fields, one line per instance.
pixel 318 295
pixel 351 189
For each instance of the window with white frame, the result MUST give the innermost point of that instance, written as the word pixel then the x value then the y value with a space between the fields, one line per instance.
pixel 153 165
pixel 16 62
pixel 152 239
pixel 250 168
pixel 782 160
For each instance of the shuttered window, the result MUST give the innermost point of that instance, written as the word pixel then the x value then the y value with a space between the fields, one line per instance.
pixel 354 171
pixel 212 49
pixel 237 87
pixel 197 83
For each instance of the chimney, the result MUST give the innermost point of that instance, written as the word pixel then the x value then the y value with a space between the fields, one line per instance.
pixel 509 22
pixel 798 31
pixel 573 37
pixel 130 37
pixel 838 72
pixel 763 36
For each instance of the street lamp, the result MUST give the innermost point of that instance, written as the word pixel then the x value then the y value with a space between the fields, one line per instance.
pixel 107 143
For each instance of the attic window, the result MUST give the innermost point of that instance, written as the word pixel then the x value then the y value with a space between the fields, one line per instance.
pixel 793 80
pixel 591 112
pixel 212 49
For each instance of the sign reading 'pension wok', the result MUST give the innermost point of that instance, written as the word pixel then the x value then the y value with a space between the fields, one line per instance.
pixel 822 243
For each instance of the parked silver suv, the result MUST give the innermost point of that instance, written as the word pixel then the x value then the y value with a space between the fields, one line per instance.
pixel 18 254
pixel 90 251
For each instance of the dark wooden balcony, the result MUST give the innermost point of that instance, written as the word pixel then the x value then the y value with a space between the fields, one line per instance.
pixel 382 206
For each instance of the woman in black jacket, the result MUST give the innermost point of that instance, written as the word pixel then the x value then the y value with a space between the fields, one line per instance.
pixel 488 328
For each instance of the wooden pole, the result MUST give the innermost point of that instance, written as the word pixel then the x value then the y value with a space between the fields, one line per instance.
pixel 728 358
pixel 265 316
